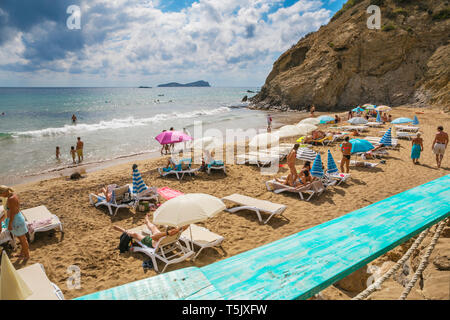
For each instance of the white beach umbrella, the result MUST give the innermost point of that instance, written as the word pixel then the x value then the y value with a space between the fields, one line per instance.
pixel 310 121
pixel 358 120
pixel 205 143
pixel 188 209
pixel 289 131
pixel 306 128
pixel 264 139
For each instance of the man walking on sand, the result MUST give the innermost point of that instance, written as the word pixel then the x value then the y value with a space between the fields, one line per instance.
pixel 80 145
pixel 439 145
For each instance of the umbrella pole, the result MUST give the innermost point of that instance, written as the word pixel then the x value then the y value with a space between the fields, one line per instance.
pixel 192 240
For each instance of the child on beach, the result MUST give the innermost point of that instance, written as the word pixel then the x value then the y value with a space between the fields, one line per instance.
pixel 73 153
pixel 57 153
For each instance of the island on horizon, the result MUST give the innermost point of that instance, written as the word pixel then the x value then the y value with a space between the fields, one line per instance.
pixel 200 83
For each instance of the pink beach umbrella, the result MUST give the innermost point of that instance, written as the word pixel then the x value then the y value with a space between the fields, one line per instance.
pixel 170 137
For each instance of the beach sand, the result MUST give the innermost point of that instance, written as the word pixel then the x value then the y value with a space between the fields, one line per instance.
pixel 90 243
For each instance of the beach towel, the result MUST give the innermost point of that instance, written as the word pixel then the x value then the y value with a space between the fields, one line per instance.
pixel 38 224
pixel 168 193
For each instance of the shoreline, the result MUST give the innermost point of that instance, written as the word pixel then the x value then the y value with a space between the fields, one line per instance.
pixel 282 118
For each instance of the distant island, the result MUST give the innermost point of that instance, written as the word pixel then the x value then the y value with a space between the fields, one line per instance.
pixel 144 87
pixel 192 84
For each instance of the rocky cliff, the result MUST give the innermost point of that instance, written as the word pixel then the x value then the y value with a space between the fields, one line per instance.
pixel 345 63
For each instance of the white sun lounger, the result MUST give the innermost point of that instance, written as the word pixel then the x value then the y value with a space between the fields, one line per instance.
pixel 168 249
pixel 201 237
pixel 407 128
pixel 374 124
pixel 38 214
pixel 339 177
pixel 36 279
pixel 260 159
pixel 256 205
pixel 405 135
pixel 314 188
pixel 366 164
pixel 115 202
pixel 376 140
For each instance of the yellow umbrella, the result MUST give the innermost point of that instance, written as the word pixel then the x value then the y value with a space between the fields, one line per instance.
pixel 12 286
pixel 383 108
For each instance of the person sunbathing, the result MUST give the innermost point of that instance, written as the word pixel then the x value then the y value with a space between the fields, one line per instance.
pixel 371 155
pixel 151 241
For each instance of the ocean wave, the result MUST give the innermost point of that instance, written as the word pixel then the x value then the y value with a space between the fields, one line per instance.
pixel 4 136
pixel 115 124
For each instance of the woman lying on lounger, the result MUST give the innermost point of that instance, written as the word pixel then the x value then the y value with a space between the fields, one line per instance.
pixel 151 241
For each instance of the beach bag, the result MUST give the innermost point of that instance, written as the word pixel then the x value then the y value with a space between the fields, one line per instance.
pixel 125 243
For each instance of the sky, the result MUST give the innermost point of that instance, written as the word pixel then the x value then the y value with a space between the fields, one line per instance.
pixel 128 43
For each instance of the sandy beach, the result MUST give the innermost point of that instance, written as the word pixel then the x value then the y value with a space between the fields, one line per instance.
pixel 90 243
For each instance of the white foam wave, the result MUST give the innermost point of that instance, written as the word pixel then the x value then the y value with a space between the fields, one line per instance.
pixel 116 123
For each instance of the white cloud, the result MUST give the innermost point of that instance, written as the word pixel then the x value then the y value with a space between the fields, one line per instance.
pixel 232 42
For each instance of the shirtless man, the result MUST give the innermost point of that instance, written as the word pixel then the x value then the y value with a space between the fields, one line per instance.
pixel 293 175
pixel 439 145
pixel 312 110
pixel 346 149
pixel 80 145
pixel 74 119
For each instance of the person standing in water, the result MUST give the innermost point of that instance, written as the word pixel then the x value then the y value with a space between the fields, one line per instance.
pixel 417 148
pixel 73 153
pixel 439 145
pixel 80 146
pixel 74 119
pixel 58 153
pixel 15 220
pixel 269 123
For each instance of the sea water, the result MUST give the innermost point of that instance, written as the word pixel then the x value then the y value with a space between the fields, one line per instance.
pixel 112 122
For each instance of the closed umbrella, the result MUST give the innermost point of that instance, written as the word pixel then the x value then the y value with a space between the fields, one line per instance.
pixel 264 139
pixel 170 137
pixel 188 209
pixel 289 131
pixel 310 121
pixel 387 138
pixel 138 183
pixel 378 117
pixel 331 165
pixel 402 120
pixel 306 128
pixel 326 119
pixel 358 120
pixel 12 286
pixel 317 167
pixel 359 145
pixel 306 154
pixel 415 121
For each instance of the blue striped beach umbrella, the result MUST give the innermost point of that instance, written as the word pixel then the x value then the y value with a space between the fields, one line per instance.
pixel 387 138
pixel 415 121
pixel 138 183
pixel 317 170
pixel 331 166
pixel 378 117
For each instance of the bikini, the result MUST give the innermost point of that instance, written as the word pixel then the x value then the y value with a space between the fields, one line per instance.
pixel 348 156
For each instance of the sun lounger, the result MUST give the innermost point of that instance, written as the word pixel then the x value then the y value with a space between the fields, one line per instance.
pixel 357 128
pixel 146 195
pixel 117 197
pixel 405 135
pixel 407 128
pixel 339 177
pixel 179 170
pixel 260 159
pixel 36 279
pixel 168 249
pixel 256 205
pixel 325 141
pixel 311 189
pixel 6 236
pixel 39 219
pixel 374 124
pixel 376 140
pixel 201 237
pixel 362 164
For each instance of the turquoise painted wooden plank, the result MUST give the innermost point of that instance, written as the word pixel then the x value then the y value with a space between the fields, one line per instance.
pixel 299 266
pixel 177 285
